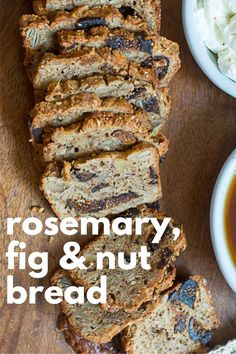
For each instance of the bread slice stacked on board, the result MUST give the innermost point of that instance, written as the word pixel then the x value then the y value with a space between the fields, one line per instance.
pixel 100 72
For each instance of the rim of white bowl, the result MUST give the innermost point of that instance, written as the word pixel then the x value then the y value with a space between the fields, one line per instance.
pixel 200 52
pixel 217 226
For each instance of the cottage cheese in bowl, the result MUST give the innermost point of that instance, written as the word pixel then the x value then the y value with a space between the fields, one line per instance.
pixel 216 20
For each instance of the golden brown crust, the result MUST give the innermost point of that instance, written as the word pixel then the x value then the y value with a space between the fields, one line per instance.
pixel 151 51
pixel 104 86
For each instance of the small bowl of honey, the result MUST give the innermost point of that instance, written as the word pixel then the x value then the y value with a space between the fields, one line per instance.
pixel 223 220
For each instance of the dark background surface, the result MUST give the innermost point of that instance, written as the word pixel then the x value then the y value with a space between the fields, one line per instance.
pixel 202 131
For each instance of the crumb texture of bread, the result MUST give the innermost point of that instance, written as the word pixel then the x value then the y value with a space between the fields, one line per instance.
pixel 104 185
pixel 138 284
pixel 183 322
pixel 101 72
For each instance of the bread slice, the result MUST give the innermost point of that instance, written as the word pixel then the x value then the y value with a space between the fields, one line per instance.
pixel 72 109
pixel 137 46
pixel 156 103
pixel 182 322
pixel 39 32
pixel 114 124
pixel 100 132
pixel 158 69
pixel 84 346
pixel 94 323
pixel 107 184
pixel 148 10
pixel 128 289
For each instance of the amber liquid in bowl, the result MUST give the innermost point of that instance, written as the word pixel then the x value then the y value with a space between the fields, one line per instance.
pixel 230 219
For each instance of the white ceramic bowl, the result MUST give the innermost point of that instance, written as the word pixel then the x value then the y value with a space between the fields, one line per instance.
pixel 203 56
pixel 218 236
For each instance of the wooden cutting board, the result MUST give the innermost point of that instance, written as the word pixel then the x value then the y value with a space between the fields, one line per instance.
pixel 202 131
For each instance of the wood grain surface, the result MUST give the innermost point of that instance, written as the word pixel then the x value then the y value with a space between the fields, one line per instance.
pixel 202 131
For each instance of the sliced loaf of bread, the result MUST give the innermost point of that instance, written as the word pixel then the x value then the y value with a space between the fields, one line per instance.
pixel 106 184
pixel 93 323
pixel 148 10
pixel 182 322
pixel 156 103
pixel 100 132
pixel 128 289
pixel 158 69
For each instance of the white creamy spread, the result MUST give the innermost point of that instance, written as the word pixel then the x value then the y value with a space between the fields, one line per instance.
pixel 229 348
pixel 217 26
